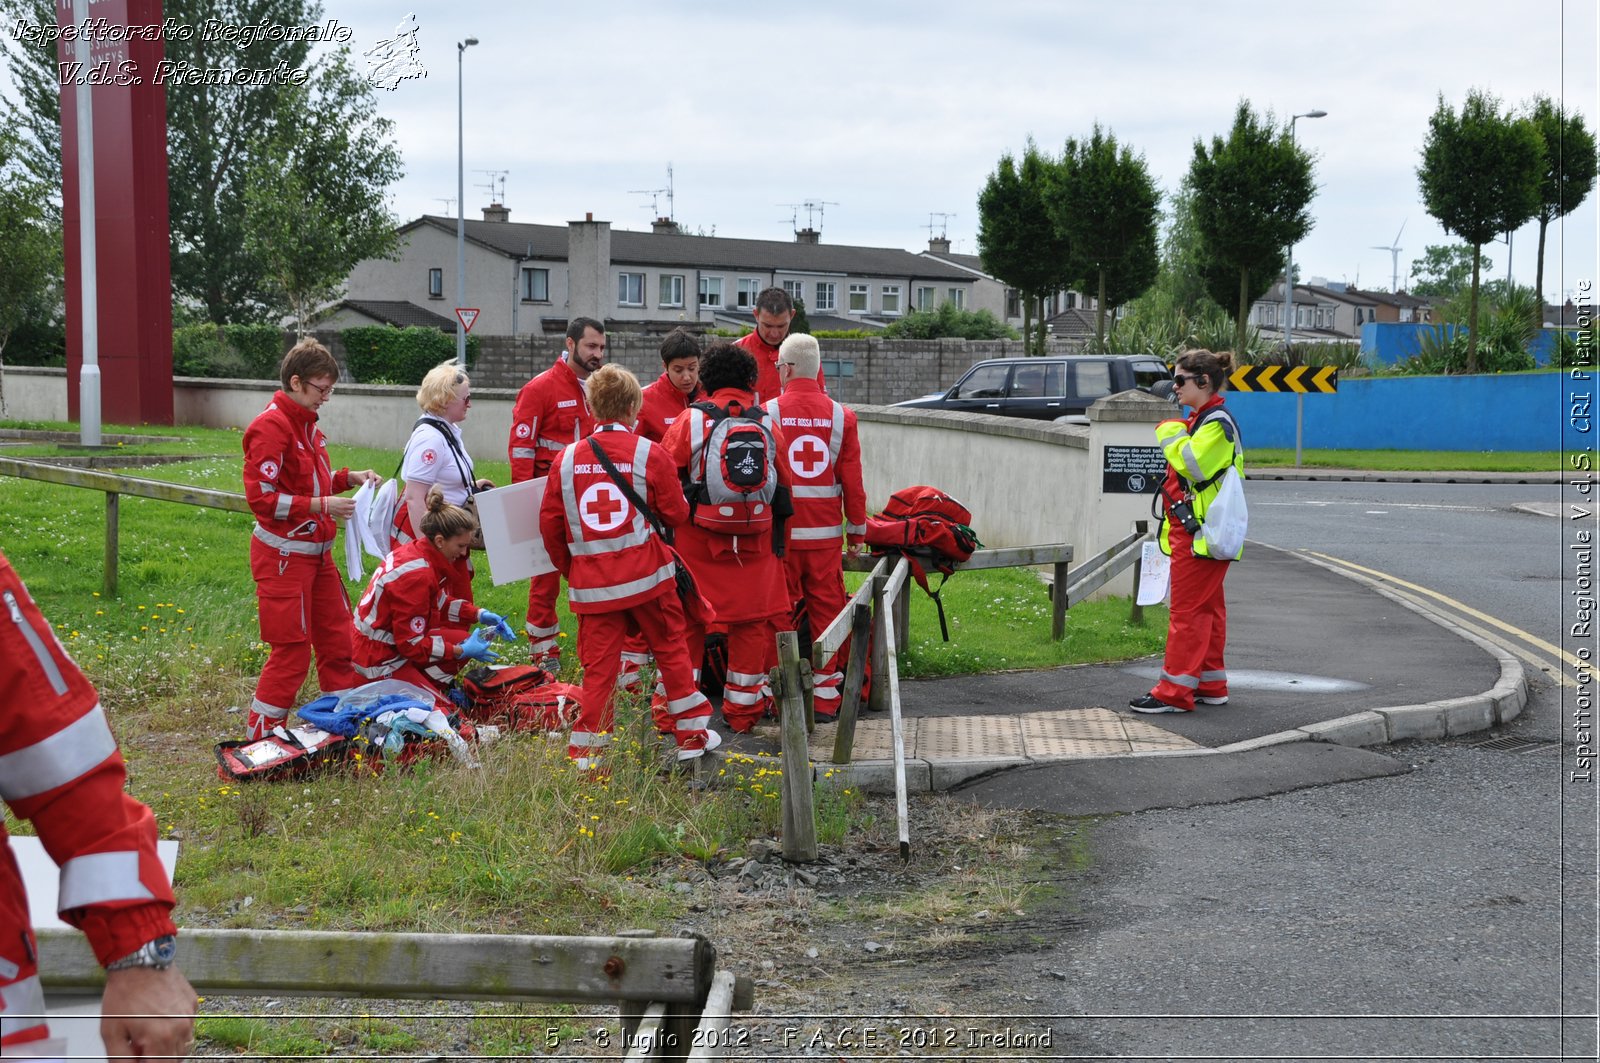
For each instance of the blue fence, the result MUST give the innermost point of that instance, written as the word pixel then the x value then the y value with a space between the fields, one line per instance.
pixel 1389 342
pixel 1515 411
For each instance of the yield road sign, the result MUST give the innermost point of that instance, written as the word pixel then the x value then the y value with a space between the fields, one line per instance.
pixel 467 316
pixel 1281 378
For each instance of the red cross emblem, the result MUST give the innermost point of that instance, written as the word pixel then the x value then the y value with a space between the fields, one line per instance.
pixel 524 431
pixel 418 625
pixel 429 457
pixel 808 457
pixel 269 469
pixel 602 507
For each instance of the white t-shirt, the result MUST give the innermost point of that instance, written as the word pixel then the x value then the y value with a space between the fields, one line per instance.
pixel 430 460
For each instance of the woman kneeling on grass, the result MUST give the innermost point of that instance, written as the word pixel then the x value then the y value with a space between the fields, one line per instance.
pixel 408 625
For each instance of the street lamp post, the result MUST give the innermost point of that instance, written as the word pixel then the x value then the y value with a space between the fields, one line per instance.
pixel 1288 307
pixel 461 203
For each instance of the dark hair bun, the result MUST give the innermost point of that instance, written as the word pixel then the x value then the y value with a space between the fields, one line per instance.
pixel 435 501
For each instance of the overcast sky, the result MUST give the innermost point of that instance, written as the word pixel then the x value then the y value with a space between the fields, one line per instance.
pixel 888 112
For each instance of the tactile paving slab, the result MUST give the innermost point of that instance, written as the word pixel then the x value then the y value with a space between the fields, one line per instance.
pixel 874 740
pixel 1074 733
pixel 967 737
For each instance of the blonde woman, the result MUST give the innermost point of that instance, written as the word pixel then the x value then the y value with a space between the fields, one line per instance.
pixel 436 456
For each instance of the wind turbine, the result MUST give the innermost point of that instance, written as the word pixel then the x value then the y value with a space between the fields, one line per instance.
pixel 1394 250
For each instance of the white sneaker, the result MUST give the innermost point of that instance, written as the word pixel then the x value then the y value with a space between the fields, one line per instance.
pixel 713 740
pixel 1203 700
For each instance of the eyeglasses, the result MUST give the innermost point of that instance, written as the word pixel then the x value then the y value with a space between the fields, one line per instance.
pixel 320 389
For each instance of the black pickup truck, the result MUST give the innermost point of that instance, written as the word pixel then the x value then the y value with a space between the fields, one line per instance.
pixel 1047 389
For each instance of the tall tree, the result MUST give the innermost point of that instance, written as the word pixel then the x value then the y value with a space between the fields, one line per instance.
pixel 1444 270
pixel 1252 194
pixel 308 225
pixel 30 252
pixel 1479 178
pixel 216 135
pixel 1018 240
pixel 1569 168
pixel 1106 205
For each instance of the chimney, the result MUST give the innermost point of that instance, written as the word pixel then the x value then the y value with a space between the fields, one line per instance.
pixel 665 227
pixel 807 235
pixel 939 245
pixel 590 284
pixel 496 212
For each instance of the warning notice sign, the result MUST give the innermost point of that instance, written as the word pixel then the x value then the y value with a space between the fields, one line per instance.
pixel 1132 470
pixel 468 316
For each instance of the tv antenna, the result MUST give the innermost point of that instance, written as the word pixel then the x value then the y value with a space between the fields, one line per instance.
pixel 1394 250
pixel 794 215
pixel 495 185
pixel 449 203
pixel 654 193
pixel 944 217
pixel 815 209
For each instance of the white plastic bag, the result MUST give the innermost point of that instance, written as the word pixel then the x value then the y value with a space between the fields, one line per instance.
pixel 1227 519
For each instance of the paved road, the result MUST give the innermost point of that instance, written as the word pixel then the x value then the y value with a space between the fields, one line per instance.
pixel 1441 906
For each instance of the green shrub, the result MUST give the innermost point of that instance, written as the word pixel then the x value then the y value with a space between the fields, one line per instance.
pixel 949 322
pixel 383 354
pixel 37 344
pixel 846 334
pixel 260 347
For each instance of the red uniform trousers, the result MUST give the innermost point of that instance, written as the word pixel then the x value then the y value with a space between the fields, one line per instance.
pixel 816 585
pixel 660 623
pixel 303 606
pixel 542 624
pixel 411 673
pixel 1197 631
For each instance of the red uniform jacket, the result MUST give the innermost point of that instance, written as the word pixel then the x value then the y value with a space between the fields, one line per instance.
pixel 60 768
pixel 550 412
pixel 599 540
pixel 663 404
pixel 824 455
pixel 286 466
pixel 767 386
pixel 738 574
pixel 407 614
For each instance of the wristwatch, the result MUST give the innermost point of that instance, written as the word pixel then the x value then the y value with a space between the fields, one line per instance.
pixel 158 954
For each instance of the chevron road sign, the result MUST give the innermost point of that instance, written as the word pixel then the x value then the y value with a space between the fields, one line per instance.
pixel 1301 378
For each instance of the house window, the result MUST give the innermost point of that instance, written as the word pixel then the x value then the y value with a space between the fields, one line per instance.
pixel 710 291
pixel 858 298
pixel 957 297
pixel 1013 303
pixel 436 283
pixel 795 290
pixel 671 290
pixel 535 285
pixel 749 288
pixel 630 289
pixel 891 298
pixel 925 298
pixel 827 296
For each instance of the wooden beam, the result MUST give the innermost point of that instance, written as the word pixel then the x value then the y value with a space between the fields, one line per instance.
pixel 1093 579
pixel 575 970
pixel 109 569
pixel 799 804
pixel 838 629
pixel 123 485
pixel 1058 603
pixel 711 1039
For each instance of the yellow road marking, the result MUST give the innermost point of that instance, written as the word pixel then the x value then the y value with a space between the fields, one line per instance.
pixel 1530 639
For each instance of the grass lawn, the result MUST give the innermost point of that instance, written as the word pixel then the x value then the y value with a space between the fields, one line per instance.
pixel 1411 460
pixel 522 843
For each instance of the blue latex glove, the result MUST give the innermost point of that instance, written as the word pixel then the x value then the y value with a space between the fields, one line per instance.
pixel 498 622
pixel 476 648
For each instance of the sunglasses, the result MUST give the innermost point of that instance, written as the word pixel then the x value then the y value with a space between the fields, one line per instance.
pixel 1178 379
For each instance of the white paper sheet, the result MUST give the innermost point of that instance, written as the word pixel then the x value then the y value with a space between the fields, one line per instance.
pixel 1155 570
pixel 510 519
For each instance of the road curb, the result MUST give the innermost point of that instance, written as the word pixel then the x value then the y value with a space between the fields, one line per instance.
pixel 1446 718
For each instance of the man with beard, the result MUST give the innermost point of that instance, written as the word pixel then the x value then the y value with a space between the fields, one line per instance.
pixel 551 412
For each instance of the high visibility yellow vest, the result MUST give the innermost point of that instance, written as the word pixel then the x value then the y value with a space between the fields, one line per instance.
pixel 1200 458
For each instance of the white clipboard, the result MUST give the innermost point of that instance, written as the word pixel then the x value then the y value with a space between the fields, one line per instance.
pixel 510 520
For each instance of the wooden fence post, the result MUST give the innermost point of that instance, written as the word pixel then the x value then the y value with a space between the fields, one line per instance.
pixel 1058 602
pixel 112 512
pixel 1136 614
pixel 799 805
pixel 855 676
pixel 878 696
pixel 902 621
